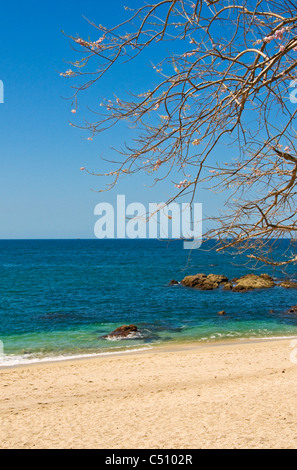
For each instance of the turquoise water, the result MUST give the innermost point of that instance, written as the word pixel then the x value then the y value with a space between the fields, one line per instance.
pixel 59 297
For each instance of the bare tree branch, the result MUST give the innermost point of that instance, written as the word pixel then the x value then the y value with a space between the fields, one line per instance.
pixel 226 81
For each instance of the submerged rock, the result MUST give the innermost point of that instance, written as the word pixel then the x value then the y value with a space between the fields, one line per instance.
pixel 124 331
pixel 293 309
pixel 253 281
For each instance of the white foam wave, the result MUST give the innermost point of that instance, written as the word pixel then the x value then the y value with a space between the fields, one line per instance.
pixel 10 360
pixel 132 335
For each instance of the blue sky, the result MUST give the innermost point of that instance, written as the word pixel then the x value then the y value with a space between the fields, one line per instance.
pixel 43 194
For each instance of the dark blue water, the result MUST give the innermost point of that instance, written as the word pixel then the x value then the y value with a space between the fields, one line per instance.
pixel 59 297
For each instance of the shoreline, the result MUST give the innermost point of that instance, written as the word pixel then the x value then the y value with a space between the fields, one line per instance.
pixel 238 395
pixel 173 346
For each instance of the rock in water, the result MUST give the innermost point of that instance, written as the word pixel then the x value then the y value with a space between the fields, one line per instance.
pixel 243 284
pixel 173 282
pixel 288 284
pixel 293 309
pixel 217 278
pixel 253 281
pixel 228 286
pixel 203 282
pixel 194 281
pixel 124 331
pixel 266 276
pixel 222 312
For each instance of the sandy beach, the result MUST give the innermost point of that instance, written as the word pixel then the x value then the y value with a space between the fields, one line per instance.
pixel 239 395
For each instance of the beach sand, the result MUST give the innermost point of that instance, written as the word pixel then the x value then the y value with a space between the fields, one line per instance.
pixel 239 395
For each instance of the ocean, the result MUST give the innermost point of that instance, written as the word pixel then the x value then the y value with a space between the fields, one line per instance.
pixel 58 298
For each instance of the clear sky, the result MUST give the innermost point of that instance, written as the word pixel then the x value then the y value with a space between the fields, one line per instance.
pixel 43 193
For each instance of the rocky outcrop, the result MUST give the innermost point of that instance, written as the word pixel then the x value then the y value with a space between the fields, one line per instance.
pixel 266 276
pixel 244 283
pixel 217 278
pixel 203 282
pixel 123 332
pixel 193 281
pixel 288 284
pixel 173 282
pixel 213 281
pixel 228 286
pixel 253 281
